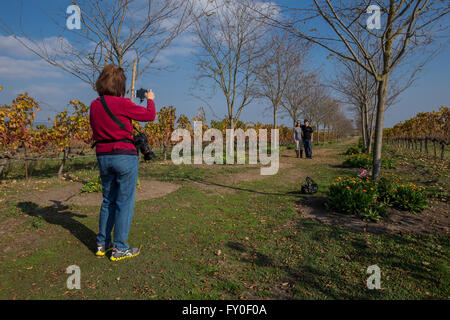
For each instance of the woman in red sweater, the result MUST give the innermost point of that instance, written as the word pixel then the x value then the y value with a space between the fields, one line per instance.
pixel 118 160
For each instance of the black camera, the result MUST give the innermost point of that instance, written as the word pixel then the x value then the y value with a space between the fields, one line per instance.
pixel 141 143
pixel 141 94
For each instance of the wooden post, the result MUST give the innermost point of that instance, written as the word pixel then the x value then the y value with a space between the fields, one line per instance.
pixel 133 81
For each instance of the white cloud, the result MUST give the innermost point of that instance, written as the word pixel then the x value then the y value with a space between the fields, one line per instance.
pixel 12 69
pixel 182 46
pixel 17 62
pixel 13 48
pixel 23 71
pixel 54 97
pixel 190 39
pixel 225 7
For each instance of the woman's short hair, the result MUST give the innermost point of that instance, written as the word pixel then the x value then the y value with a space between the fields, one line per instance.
pixel 111 82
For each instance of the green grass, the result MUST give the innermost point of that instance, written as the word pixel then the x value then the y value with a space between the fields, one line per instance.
pixel 249 243
pixel 172 172
pixel 432 173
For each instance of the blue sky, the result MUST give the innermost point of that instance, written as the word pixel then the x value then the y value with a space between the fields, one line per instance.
pixel 21 71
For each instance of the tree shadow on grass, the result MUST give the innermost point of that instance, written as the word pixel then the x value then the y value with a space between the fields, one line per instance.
pixel 59 214
pixel 356 249
pixel 393 256
pixel 305 275
pixel 215 184
pixel 344 169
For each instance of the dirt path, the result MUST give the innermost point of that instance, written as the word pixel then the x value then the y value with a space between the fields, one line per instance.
pixel 226 183
pixel 288 172
pixel 70 194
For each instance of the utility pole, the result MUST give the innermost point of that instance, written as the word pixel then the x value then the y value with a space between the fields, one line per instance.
pixel 133 81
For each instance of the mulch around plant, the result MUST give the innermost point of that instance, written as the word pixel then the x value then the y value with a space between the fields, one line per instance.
pixel 429 222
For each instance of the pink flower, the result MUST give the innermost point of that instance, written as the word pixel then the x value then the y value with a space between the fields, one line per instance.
pixel 362 173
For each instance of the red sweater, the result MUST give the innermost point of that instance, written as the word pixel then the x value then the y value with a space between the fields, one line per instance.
pixel 103 127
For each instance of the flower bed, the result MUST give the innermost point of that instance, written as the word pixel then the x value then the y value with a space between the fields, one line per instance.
pixel 369 199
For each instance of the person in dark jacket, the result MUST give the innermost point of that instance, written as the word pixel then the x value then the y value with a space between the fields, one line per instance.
pixel 307 138
pixel 117 160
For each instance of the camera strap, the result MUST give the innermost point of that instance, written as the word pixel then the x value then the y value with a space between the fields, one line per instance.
pixel 117 121
pixel 112 116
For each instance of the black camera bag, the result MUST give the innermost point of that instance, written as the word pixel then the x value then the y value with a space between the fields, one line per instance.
pixel 310 187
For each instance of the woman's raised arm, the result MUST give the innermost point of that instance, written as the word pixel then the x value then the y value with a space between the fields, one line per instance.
pixel 139 113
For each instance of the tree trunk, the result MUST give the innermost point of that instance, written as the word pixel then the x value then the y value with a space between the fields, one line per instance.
pixel 26 161
pixel 382 92
pixel 275 116
pixel 294 117
pixel 63 163
pixel 366 133
pixel 318 133
pixel 2 166
pixel 133 81
pixel 426 146
pixel 363 127
pixel 372 132
pixel 434 148
pixel 442 151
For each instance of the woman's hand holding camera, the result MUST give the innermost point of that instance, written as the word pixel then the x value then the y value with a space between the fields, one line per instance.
pixel 150 95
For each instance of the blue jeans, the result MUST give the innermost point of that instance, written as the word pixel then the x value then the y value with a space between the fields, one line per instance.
pixel 119 175
pixel 308 147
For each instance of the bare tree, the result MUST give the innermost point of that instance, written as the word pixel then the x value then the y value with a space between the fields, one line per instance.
pixel 330 111
pixel 229 38
pixel 341 125
pixel 278 67
pixel 408 29
pixel 319 107
pixel 114 31
pixel 358 88
pixel 298 94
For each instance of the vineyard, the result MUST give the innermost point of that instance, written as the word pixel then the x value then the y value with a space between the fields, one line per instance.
pixel 416 134
pixel 70 136
pixel 353 210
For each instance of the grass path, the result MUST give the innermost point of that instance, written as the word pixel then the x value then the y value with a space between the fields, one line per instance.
pixel 225 234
